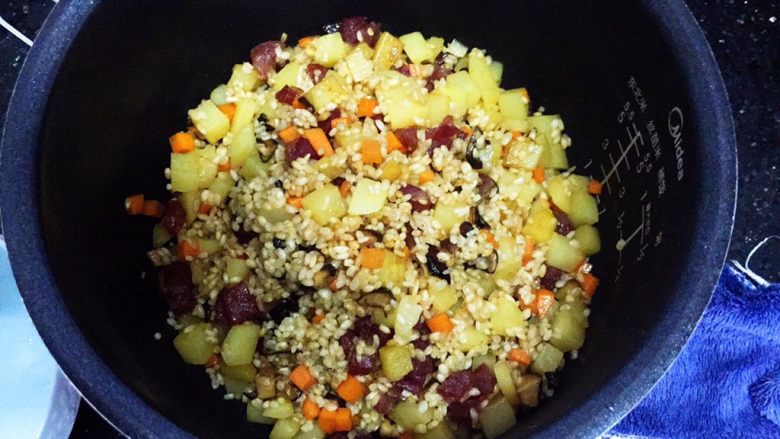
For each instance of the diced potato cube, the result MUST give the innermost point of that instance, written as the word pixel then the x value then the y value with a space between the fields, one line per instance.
pixel 287 76
pixel 526 192
pixel 222 185
pixel 497 418
pixel 268 104
pixel 540 225
pixel 236 270
pixel 560 192
pixel 588 237
pixel 368 52
pixel 560 254
pixel 244 77
pixel 329 49
pixel 470 338
pixel 210 121
pixel 514 104
pixel 497 69
pixel 507 316
pixel 359 65
pixel 191 203
pixel 254 413
pixel 584 209
pixel 438 107
pixel 553 155
pixel 391 170
pixel 403 100
pixel 368 196
pixel 393 270
pixel 450 215
pixel 481 74
pixel 219 95
pixel 325 204
pixel 387 50
pixel 285 428
pixel 279 408
pixel 444 296
pixel 327 91
pixel 209 246
pixel 463 91
pixel 548 359
pixel 332 166
pixel 207 165
pixel 247 110
pixel 242 146
pixel 245 372
pixel 407 315
pixel 409 415
pixel 568 327
pixel 515 125
pixel 275 215
pixel 396 361
pixel 510 258
pixel 417 49
pixel 184 172
pixel 254 166
pixel 194 343
pixel 239 345
pixel 506 382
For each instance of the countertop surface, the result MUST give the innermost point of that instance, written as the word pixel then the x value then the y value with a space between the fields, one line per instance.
pixel 743 34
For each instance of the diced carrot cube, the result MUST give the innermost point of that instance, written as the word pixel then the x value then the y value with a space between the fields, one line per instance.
pixel 538 174
pixel 302 378
pixel 366 107
pixel 182 143
pixel 134 204
pixel 153 208
pixel 319 141
pixel 371 152
pixel 426 177
pixel 289 134
pixel 372 257
pixel 228 109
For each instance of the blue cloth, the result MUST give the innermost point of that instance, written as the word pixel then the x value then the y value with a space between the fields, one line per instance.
pixel 726 382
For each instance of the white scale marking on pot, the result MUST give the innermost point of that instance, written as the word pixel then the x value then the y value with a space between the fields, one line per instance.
pixel 638 156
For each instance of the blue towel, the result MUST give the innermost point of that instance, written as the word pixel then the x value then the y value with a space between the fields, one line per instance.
pixel 726 382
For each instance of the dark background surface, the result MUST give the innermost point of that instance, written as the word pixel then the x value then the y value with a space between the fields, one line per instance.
pixel 745 37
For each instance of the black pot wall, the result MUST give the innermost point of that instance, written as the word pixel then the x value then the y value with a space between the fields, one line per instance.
pixel 136 67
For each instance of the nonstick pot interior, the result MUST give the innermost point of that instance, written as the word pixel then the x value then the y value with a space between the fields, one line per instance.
pixel 634 81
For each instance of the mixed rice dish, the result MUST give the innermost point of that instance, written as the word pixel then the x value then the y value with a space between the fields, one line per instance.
pixel 369 236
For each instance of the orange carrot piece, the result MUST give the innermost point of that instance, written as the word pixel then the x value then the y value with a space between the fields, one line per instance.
pixel 224 167
pixel 393 144
pixel 467 129
pixel 426 176
pixel 305 41
pixel 351 390
pixel 182 143
pixel 289 134
pixel 519 356
pixel 302 378
pixel 538 174
pixel 544 301
pixel 318 317
pixel 490 238
pixel 319 141
pixel 153 208
pixel 371 152
pixel 344 188
pixel 440 323
pixel 343 419
pixel 327 421
pixel 516 134
pixel 187 248
pixel 366 107
pixel 589 284
pixel 295 202
pixel 594 187
pixel 298 104
pixel 228 110
pixel 407 253
pixel 134 204
pixel 204 208
pixel 372 257
pixel 310 409
pixel 332 284
pixel 528 251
